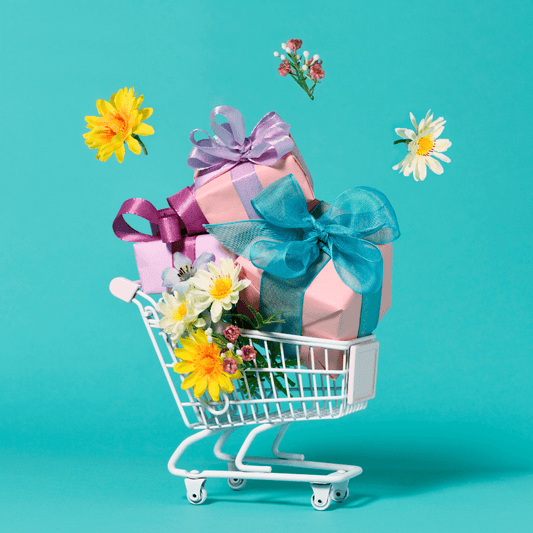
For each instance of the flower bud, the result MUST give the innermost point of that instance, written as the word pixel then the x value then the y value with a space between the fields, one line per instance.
pixel 229 346
pixel 282 57
pixel 283 45
pixel 276 54
pixel 306 54
pixel 238 352
pixel 304 67
pixel 209 339
pixel 209 331
pixel 316 57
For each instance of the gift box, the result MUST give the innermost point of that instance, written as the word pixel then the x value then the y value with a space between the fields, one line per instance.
pixel 330 309
pixel 178 228
pixel 153 257
pixel 231 169
pixel 329 272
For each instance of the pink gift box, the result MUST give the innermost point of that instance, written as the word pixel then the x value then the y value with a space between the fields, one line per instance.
pixel 331 310
pixel 222 200
pixel 153 257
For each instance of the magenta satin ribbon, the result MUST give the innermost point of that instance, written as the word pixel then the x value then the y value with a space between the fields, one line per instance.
pixel 267 144
pixel 170 225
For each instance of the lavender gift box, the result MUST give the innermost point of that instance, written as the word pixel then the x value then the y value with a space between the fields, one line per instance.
pixel 153 257
pixel 178 228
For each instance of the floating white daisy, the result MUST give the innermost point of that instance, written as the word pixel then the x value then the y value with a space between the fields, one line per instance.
pixel 423 144
pixel 217 287
pixel 178 313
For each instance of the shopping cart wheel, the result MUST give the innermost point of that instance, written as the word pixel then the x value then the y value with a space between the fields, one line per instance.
pixel 236 484
pixel 339 494
pixel 321 498
pixel 196 493
pixel 320 505
pixel 197 498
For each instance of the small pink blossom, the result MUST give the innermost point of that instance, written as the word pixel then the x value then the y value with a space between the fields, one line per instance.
pixel 317 72
pixel 229 365
pixel 232 333
pixel 248 352
pixel 294 44
pixel 284 68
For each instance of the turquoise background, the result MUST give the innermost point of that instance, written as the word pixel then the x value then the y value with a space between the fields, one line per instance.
pixel 87 421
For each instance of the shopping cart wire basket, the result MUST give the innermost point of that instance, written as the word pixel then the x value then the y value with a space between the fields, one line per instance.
pixel 270 397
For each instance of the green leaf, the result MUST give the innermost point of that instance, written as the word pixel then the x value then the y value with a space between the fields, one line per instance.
pixel 257 317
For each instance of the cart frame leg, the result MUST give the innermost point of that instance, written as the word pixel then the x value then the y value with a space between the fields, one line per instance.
pixel 195 437
pixel 275 446
pixel 244 448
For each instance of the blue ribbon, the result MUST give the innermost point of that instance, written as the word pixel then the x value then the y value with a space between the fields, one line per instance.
pixel 287 242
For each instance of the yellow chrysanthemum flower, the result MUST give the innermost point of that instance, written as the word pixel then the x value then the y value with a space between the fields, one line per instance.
pixel 119 122
pixel 205 364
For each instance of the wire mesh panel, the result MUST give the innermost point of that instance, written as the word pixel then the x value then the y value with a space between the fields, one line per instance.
pixel 292 378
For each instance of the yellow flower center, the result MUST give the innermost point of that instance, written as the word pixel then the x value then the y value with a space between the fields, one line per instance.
pixel 221 287
pixel 179 313
pixel 208 359
pixel 425 145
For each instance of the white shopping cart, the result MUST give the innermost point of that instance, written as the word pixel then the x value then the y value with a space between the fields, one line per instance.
pixel 290 393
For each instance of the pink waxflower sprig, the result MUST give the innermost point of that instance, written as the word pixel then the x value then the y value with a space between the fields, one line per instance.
pixel 301 68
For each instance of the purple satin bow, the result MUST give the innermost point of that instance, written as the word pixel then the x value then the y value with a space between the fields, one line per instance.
pixel 267 144
pixel 169 225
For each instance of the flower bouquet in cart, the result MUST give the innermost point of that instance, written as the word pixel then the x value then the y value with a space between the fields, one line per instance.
pixel 199 315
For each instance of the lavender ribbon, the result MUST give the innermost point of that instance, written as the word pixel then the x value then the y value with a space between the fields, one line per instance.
pixel 267 144
pixel 183 217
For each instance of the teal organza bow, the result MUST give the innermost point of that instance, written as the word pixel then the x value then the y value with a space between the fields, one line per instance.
pixel 287 240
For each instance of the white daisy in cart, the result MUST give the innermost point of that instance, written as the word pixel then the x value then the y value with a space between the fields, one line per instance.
pixel 218 287
pixel 178 313
pixel 424 146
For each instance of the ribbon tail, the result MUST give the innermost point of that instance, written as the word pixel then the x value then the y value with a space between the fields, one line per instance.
pixel 287 295
pixel 370 307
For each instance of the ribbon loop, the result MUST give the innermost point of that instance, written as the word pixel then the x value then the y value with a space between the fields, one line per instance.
pixel 286 241
pixel 267 144
pixel 170 225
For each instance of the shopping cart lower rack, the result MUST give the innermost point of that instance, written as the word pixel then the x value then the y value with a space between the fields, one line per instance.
pixel 316 393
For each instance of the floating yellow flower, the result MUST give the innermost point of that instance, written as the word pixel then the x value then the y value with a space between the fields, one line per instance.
pixel 206 366
pixel 119 122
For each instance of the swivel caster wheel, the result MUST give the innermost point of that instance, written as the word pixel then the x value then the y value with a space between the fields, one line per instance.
pixel 236 484
pixel 320 505
pixel 321 498
pixel 339 495
pixel 197 498
pixel 196 493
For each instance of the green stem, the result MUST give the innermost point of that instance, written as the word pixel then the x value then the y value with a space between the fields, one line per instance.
pixel 138 139
pixel 406 141
pixel 299 78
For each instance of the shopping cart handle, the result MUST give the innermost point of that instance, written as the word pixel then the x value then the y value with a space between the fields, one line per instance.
pixel 124 289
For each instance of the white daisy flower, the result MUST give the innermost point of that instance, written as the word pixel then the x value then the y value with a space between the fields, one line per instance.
pixel 423 144
pixel 217 287
pixel 178 312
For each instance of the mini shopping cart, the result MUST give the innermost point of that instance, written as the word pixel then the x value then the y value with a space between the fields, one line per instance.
pixel 315 393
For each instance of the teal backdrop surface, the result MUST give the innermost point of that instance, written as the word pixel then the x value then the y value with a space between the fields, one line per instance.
pixel 87 420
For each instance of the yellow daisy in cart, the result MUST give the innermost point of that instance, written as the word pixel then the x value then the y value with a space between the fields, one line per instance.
pixel 177 314
pixel 218 287
pixel 120 122
pixel 206 367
